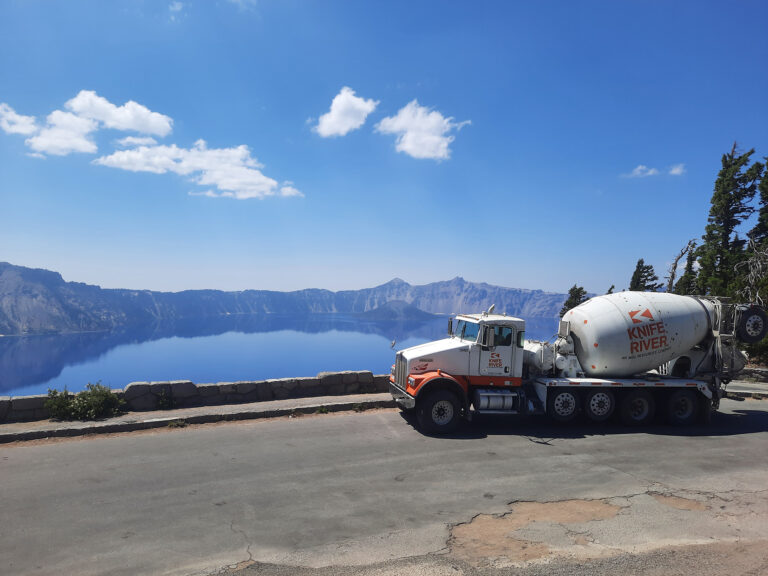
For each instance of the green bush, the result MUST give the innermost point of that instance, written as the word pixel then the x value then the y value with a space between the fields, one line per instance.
pixel 96 401
pixel 59 404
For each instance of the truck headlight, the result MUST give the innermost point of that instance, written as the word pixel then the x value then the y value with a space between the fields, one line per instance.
pixel 411 382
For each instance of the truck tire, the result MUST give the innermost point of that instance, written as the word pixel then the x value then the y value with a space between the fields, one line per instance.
pixel 752 326
pixel 706 411
pixel 682 407
pixel 599 405
pixel 637 408
pixel 563 404
pixel 439 412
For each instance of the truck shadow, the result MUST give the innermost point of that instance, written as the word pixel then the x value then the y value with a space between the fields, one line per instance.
pixel 737 421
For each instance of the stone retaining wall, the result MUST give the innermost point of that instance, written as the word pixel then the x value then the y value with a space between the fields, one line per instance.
pixel 142 396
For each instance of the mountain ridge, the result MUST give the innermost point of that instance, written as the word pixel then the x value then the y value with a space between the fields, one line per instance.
pixel 39 301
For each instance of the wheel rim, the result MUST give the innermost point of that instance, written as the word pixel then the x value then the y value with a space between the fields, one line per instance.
pixel 754 325
pixel 639 409
pixel 564 404
pixel 600 404
pixel 682 408
pixel 442 412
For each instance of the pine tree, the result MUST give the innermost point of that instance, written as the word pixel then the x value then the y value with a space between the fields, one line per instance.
pixel 687 284
pixel 576 295
pixel 722 249
pixel 644 279
pixel 759 233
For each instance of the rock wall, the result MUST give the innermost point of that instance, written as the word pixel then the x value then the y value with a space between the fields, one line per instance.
pixel 143 396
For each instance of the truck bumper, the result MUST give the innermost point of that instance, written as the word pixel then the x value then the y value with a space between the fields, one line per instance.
pixel 402 397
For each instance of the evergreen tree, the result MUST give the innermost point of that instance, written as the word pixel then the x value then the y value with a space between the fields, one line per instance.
pixel 576 295
pixel 644 279
pixel 722 249
pixel 610 290
pixel 687 284
pixel 759 233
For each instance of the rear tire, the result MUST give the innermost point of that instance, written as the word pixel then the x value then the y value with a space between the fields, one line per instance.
pixel 563 405
pixel 682 407
pixel 638 408
pixel 706 411
pixel 599 405
pixel 439 412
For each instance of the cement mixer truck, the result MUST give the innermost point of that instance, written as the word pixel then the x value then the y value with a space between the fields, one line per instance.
pixel 633 355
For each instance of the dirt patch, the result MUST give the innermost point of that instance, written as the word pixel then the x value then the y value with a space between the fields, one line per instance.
pixel 680 503
pixel 487 538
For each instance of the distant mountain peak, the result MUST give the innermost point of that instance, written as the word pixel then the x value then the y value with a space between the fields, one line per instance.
pixel 396 282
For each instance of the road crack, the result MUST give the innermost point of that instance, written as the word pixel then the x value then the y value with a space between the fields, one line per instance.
pixel 247 542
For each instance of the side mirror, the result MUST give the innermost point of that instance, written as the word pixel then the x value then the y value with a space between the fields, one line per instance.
pixel 450 326
pixel 487 341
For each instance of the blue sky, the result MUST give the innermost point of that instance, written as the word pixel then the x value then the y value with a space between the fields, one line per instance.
pixel 286 145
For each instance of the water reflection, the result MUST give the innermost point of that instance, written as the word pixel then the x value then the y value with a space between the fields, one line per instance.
pixel 211 349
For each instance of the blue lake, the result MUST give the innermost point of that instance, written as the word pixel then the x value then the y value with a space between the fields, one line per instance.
pixel 216 350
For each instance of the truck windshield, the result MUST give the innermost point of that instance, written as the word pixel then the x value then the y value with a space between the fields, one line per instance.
pixel 466 330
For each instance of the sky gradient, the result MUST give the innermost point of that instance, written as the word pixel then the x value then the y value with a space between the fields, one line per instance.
pixel 286 145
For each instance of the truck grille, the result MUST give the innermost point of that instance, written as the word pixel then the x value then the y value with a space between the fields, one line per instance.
pixel 401 371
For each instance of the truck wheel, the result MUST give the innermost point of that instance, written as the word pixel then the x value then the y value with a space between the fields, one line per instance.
pixel 599 405
pixel 637 408
pixel 563 405
pixel 752 326
pixel 706 411
pixel 439 412
pixel 682 407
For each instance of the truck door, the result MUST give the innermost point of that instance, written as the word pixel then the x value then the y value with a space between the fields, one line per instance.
pixel 496 360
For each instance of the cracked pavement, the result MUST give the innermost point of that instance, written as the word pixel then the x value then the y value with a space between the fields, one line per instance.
pixel 368 494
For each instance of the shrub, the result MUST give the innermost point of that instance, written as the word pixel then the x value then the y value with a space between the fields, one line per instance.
pixel 59 404
pixel 96 401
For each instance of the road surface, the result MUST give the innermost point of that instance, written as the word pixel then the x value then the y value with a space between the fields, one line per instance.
pixel 370 493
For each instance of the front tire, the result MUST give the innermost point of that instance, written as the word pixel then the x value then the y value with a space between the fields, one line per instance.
pixel 440 412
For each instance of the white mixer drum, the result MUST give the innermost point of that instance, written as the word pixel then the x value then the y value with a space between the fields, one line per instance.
pixel 631 332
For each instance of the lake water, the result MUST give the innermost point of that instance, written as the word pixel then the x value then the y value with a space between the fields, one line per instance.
pixel 216 350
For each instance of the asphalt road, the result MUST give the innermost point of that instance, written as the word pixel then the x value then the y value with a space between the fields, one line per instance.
pixel 370 492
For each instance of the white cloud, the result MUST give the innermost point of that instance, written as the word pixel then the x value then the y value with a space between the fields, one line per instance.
pixel 131 116
pixel 677 170
pixel 348 112
pixel 225 172
pixel 230 170
pixel 208 194
pixel 641 171
pixel 13 123
pixel 133 141
pixel 175 9
pixel 288 189
pixel 63 134
pixel 421 132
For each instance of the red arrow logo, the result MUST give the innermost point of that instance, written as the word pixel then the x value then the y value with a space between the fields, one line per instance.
pixel 647 314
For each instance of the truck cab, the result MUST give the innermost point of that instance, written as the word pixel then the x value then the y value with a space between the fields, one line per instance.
pixel 479 365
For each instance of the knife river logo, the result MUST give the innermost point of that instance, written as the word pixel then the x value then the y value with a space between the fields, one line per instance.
pixel 646 335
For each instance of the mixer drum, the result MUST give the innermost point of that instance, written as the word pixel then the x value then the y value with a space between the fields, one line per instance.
pixel 627 333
